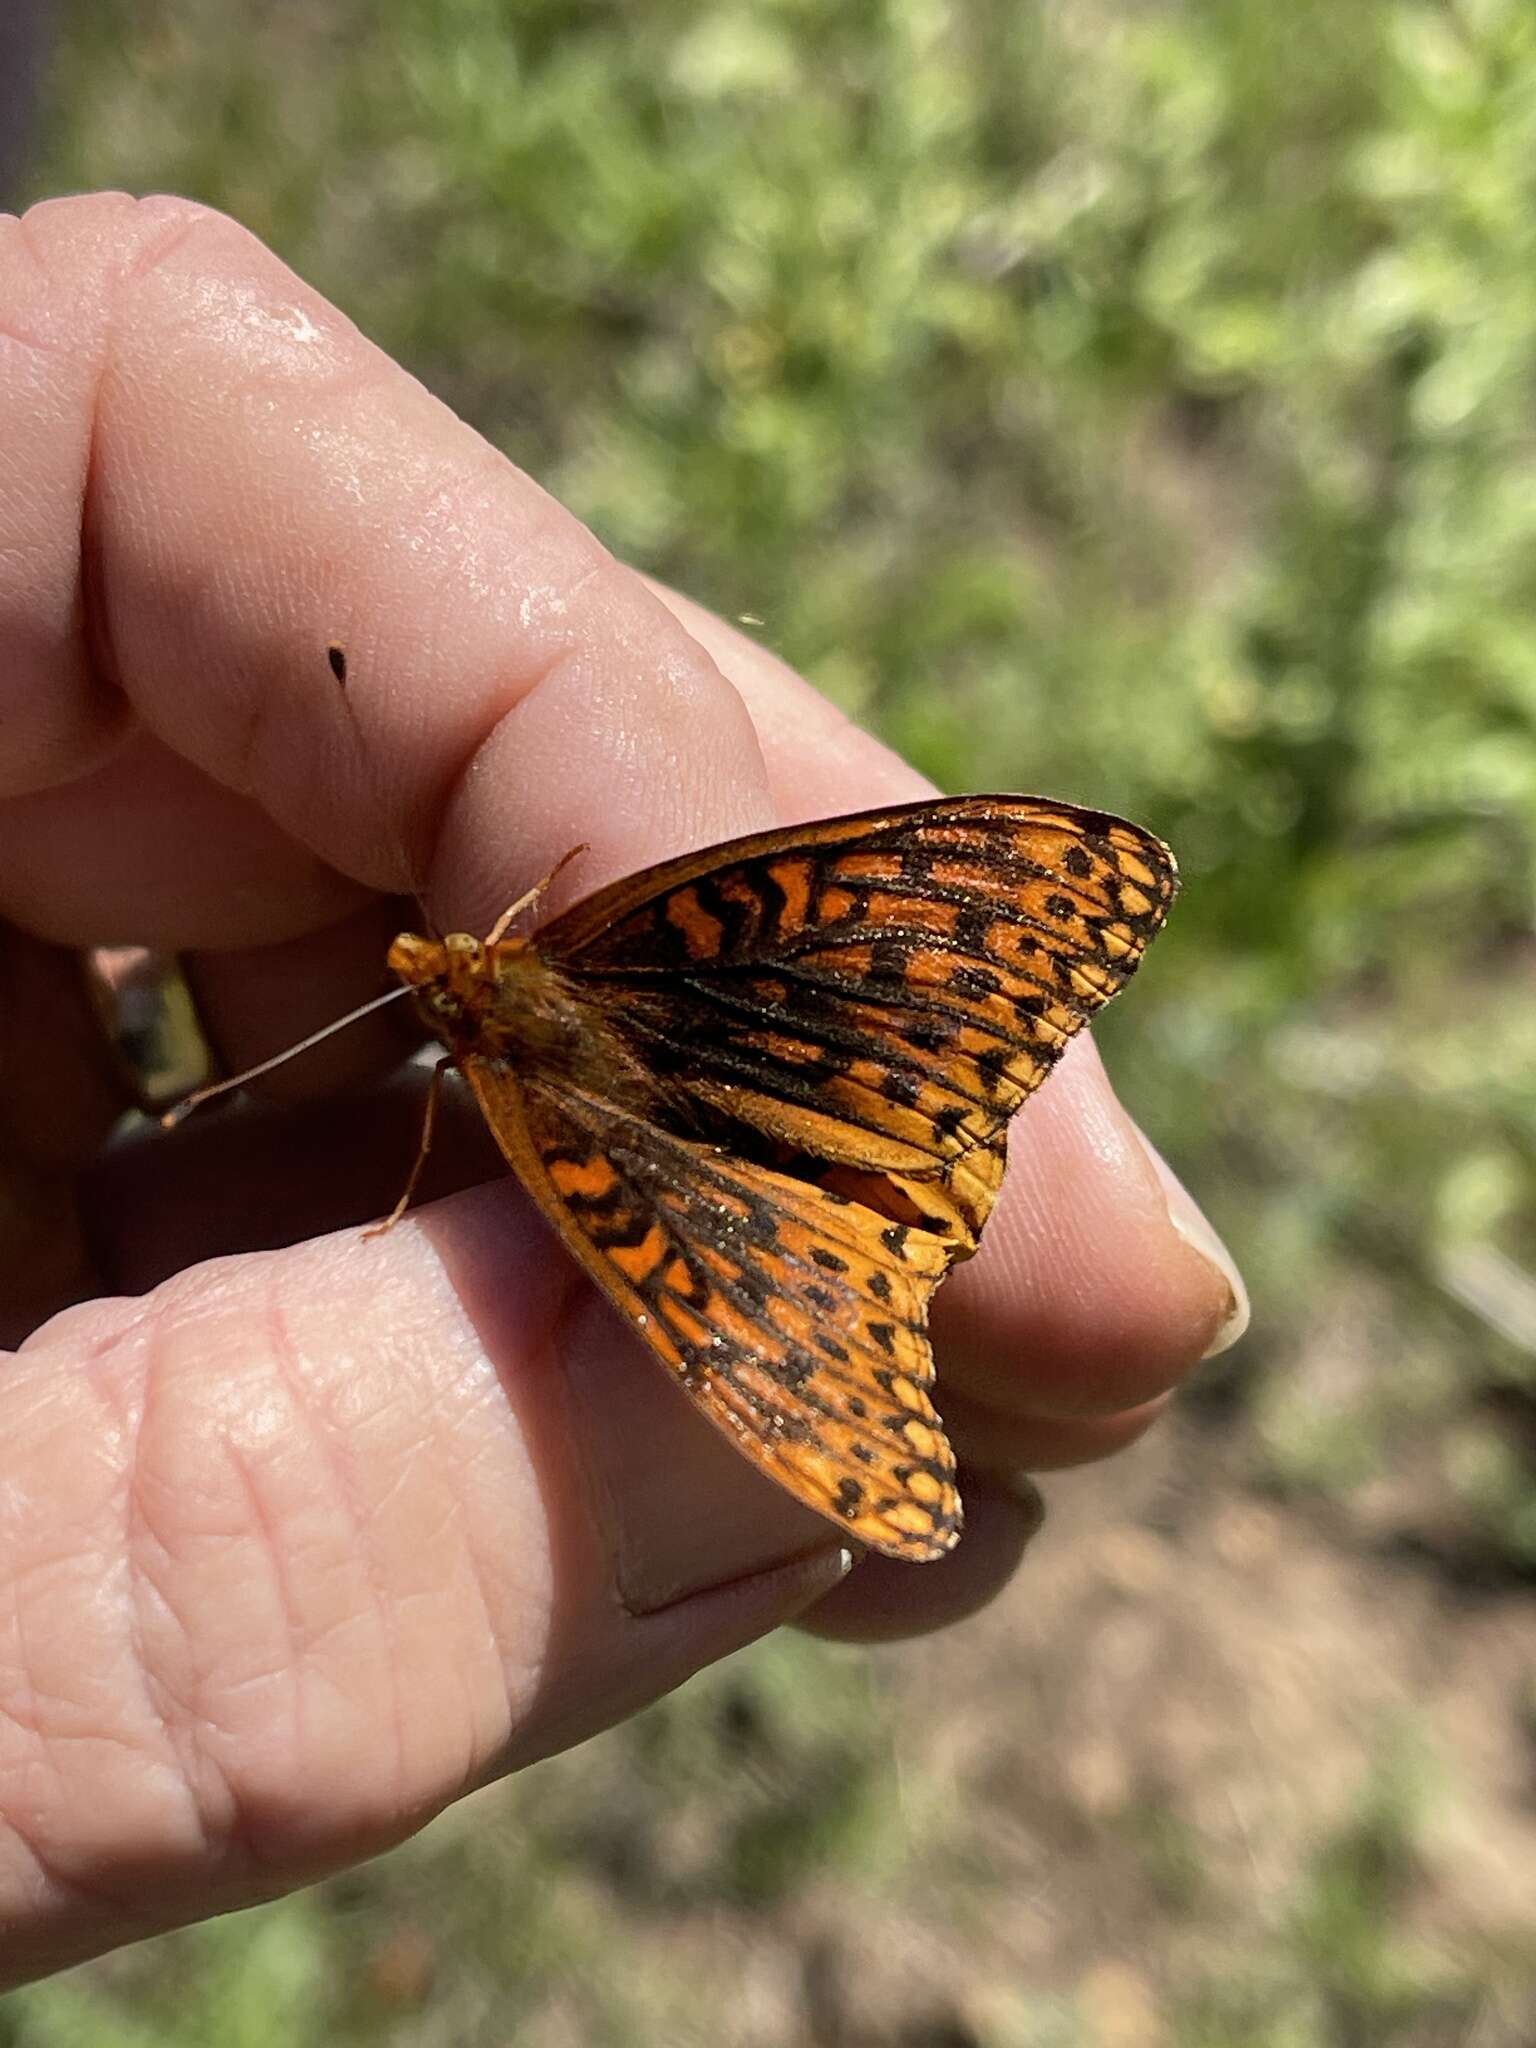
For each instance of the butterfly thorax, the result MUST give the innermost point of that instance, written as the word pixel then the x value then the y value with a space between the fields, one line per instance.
pixel 507 1001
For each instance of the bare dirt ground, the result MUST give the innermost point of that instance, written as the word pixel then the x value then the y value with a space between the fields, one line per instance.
pixel 1222 1769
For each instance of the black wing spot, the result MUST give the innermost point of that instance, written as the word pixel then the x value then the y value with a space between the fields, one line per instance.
pixel 795 1367
pixel 823 1297
pixel 1078 861
pixel 752 1285
pixel 829 1262
pixel 884 1334
pixel 850 1497
pixel 880 1285
pixel 1098 825
pixel 976 982
pixel 930 1034
pixel 1062 907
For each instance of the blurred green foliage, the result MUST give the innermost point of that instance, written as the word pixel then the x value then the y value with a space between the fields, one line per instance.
pixel 1130 402
pixel 1342 1968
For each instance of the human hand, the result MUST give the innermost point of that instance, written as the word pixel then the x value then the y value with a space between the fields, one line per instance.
pixel 298 1545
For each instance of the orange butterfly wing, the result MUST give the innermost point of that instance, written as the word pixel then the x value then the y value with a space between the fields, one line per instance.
pixel 878 992
pixel 794 1318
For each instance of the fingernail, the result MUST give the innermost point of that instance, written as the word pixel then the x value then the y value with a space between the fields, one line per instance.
pixel 643 1653
pixel 1193 1226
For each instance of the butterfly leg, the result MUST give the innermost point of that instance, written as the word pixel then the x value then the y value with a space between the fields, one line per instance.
pixel 526 901
pixel 428 1126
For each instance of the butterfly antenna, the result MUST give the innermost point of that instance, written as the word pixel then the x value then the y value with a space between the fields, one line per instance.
pixel 336 656
pixel 531 896
pixel 201 1095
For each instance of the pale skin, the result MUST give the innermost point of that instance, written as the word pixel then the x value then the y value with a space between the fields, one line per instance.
pixel 297 1546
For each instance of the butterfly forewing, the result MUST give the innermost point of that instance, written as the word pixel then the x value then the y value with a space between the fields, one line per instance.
pixel 878 992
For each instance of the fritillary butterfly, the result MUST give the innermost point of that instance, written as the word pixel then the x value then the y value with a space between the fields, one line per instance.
pixel 762 1092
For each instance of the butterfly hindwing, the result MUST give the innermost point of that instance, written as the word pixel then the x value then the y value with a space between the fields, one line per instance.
pixel 878 992
pixel 794 1318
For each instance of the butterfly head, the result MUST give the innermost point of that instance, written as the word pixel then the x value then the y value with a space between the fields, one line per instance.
pixel 447 974
pixel 471 992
